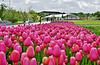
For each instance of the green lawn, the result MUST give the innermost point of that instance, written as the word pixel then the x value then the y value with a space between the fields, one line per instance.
pixel 19 22
pixel 92 28
pixel 86 22
pixel 81 22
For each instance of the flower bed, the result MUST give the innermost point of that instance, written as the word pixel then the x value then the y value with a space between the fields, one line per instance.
pixel 56 43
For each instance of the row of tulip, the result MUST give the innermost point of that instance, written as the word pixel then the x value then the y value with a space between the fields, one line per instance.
pixel 56 43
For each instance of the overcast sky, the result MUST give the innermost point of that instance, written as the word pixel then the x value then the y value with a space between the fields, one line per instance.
pixel 68 6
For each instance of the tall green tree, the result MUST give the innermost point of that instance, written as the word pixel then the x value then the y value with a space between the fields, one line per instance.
pixel 2 9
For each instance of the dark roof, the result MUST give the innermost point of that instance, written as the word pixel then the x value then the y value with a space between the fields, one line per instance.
pixel 51 12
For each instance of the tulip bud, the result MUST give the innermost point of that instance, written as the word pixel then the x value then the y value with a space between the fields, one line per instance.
pixel 94 54
pixel 98 62
pixel 56 51
pixel 30 52
pixel 51 61
pixel 26 61
pixel 27 42
pixel 2 47
pixel 13 37
pixel 3 59
pixel 23 55
pixel 60 59
pixel 72 61
pixel 37 49
pixel 24 35
pixel 45 60
pixel 33 61
pixel 78 56
pixel 14 56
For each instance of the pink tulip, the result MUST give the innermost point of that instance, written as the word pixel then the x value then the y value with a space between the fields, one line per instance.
pixel 94 54
pixel 6 39
pixel 78 56
pixel 26 61
pixel 72 61
pixel 13 37
pixel 98 62
pixel 23 55
pixel 99 51
pixel 14 56
pixel 3 59
pixel 18 48
pixel 63 53
pixel 30 52
pixel 51 61
pixel 66 61
pixel 24 35
pixel 37 49
pixel 85 47
pixel 47 39
pixel 49 51
pixel 2 47
pixel 56 51
pixel 21 39
pixel 33 61
pixel 27 42
pixel 73 50
pixel 9 43
pixel 76 48
pixel 60 60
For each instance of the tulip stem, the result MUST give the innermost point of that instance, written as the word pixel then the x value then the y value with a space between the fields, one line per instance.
pixel 13 63
pixel 57 61
pixel 94 62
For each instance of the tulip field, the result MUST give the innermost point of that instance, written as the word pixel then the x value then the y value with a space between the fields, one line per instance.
pixel 55 43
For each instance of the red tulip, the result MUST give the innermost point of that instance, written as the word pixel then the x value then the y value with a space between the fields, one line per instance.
pixel 33 61
pixel 56 51
pixel 3 59
pixel 72 61
pixel 94 54
pixel 78 56
pixel 14 56
pixel 30 52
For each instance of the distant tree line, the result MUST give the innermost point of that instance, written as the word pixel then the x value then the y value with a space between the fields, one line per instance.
pixel 88 16
pixel 14 16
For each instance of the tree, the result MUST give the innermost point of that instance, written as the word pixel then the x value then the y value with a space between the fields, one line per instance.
pixel 2 9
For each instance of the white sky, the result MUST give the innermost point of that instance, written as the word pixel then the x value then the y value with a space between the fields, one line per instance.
pixel 67 6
